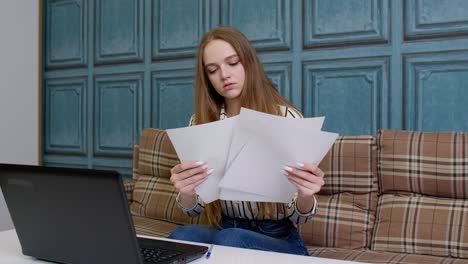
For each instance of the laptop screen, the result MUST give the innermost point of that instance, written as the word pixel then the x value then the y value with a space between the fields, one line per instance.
pixel 70 215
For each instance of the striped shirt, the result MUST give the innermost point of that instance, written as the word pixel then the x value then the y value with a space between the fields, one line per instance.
pixel 250 210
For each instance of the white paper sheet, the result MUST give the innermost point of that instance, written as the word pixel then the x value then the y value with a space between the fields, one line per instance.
pixel 248 153
pixel 209 143
pixel 270 143
pixel 259 169
pixel 258 123
pixel 233 195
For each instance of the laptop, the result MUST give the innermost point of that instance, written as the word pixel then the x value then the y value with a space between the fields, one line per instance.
pixel 70 215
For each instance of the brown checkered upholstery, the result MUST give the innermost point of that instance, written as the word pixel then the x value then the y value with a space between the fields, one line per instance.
pixel 157 155
pixel 152 227
pixel 418 218
pixel 347 201
pixel 153 194
pixel 372 256
pixel 434 164
pixel 422 225
pixel 423 206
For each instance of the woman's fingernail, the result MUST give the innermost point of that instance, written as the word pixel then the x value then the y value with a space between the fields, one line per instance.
pixel 199 163
pixel 287 168
pixel 209 171
pixel 205 166
pixel 285 173
pixel 300 164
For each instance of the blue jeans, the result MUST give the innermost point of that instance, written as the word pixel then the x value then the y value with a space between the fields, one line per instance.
pixel 269 235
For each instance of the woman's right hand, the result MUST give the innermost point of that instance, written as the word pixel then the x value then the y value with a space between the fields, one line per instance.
pixel 188 175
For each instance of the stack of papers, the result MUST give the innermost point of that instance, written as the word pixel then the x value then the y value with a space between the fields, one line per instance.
pixel 248 153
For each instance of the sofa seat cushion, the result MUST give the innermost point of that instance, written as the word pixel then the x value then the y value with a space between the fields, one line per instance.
pixel 152 227
pixel 342 220
pixel 348 200
pixel 155 197
pixel 371 256
pixel 422 225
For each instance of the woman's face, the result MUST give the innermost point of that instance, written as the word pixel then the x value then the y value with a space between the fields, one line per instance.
pixel 224 69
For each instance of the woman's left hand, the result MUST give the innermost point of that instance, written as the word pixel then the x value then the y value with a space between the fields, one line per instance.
pixel 307 177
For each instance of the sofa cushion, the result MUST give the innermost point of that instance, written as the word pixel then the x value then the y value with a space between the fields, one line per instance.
pixel 347 202
pixel 157 155
pixel 154 195
pixel 343 220
pixel 428 163
pixel 371 256
pixel 152 227
pixel 129 185
pixel 350 166
pixel 422 225
pixel 422 207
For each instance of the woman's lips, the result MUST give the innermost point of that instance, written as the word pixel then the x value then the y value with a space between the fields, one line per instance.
pixel 228 86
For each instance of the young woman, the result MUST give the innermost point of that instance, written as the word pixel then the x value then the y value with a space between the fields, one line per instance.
pixel 230 76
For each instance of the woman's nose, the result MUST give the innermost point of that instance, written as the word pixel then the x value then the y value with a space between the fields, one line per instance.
pixel 224 72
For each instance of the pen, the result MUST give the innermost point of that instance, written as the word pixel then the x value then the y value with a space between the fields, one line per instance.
pixel 208 254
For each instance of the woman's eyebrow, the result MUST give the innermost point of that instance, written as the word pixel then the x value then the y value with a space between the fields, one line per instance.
pixel 230 57
pixel 227 58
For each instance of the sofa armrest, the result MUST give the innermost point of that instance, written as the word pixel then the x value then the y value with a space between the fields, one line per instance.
pixel 129 185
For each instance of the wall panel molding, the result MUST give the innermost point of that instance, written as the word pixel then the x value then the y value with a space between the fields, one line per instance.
pixel 172 98
pixel 66 33
pixel 266 23
pixel 65 116
pixel 118 112
pixel 352 94
pixel 178 26
pixel 427 19
pixel 341 23
pixel 280 75
pixel 118 31
pixel 114 67
pixel 436 94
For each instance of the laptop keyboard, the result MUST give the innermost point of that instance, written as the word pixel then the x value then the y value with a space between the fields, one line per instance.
pixel 157 255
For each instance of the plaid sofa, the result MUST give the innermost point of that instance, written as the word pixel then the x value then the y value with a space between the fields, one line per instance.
pixel 397 197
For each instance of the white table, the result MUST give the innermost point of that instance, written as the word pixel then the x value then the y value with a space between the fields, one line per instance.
pixel 10 253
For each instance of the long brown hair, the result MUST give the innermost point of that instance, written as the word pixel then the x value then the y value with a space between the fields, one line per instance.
pixel 258 93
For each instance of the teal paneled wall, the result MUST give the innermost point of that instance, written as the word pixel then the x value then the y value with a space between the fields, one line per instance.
pixel 118 31
pixel 114 67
